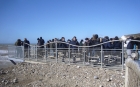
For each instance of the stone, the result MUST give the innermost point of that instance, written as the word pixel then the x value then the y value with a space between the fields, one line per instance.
pixel 15 80
pixel 95 77
pixel 2 72
pixel 111 79
pixel 78 66
pixel 3 81
pixel 108 80
pixel 6 82
pixel 33 70
pixel 101 86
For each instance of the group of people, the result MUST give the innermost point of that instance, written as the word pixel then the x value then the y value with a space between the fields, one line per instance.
pixel 25 43
pixel 88 42
pixel 92 42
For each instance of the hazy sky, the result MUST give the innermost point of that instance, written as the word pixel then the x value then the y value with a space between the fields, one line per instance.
pixel 67 18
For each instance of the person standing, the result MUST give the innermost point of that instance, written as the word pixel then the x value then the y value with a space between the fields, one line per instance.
pixel 18 45
pixel 73 47
pixel 26 44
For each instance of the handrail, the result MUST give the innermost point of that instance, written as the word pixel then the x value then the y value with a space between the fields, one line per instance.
pixel 82 46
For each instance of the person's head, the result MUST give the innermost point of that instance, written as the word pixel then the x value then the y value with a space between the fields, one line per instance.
pixel 52 40
pixel 86 39
pixel 40 37
pixel 74 38
pixel 18 40
pixel 116 38
pixel 81 40
pixel 106 37
pixel 95 36
pixel 62 39
pixel 55 39
pixel 37 38
pixel 111 39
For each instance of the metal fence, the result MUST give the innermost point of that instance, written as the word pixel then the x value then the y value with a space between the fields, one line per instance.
pixel 82 55
pixel 16 52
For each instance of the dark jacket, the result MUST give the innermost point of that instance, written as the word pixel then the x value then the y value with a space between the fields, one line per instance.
pixel 97 41
pixel 130 45
pixel 117 45
pixel 18 43
pixel 137 43
pixel 73 43
pixel 63 45
pixel 105 45
pixel 81 43
pixel 26 44
pixel 110 45
pixel 41 42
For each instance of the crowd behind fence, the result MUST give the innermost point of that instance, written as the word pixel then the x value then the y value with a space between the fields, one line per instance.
pixel 84 55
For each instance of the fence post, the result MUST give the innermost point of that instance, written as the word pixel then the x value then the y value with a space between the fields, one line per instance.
pixel 101 56
pixel 56 51
pixel 15 51
pixel 69 53
pixel 122 55
pixel 23 53
pixel 78 49
pixel 28 52
pixel 36 52
pixel 45 53
pixel 84 56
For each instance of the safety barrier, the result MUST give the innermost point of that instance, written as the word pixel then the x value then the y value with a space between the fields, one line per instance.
pixel 84 55
pixel 94 55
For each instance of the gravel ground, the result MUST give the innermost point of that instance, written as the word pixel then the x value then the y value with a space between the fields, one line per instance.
pixel 59 75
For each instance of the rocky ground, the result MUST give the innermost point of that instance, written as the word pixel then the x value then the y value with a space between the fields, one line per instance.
pixel 59 75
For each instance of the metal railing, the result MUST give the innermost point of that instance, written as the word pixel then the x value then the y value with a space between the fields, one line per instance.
pixel 16 52
pixel 84 55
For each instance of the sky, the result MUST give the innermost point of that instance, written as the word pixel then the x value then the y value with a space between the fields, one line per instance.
pixel 50 19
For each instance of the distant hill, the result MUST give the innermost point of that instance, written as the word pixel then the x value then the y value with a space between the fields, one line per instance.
pixel 134 35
